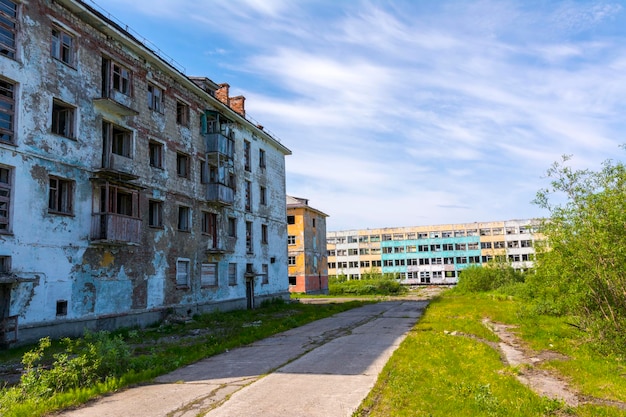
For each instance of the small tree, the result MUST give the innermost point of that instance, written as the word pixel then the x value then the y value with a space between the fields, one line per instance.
pixel 583 270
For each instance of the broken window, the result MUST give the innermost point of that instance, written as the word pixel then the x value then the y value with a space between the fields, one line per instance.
pixel 364 251
pixel 386 237
pixel 498 245
pixel 8 27
pixel 62 46
pixel 209 226
pixel 232 274
pixel 265 271
pixel 182 165
pixel 115 77
pixel 435 248
pixel 437 274
pixel 263 198
pixel 249 237
pixel 459 233
pixel 513 244
pixel 353 264
pixel 182 113
pixel 472 246
pixel 155 98
pixel 292 280
pixel 248 196
pixel 291 240
pixel 485 232
pixel 261 158
pixel 208 277
pixel 485 245
pixel 291 220
pixel 446 234
pixel 184 218
pixel 155 149
pixel 182 272
pixel 422 235
pixel 388 249
pixel 7 110
pixel 5 264
pixel 460 246
pixel 374 238
pixel 526 243
pixel 60 196
pixel 246 155
pixel 63 119
pixel 5 198
pixel 120 139
pixel 232 226
pixel 447 246
pixel 155 213
pixel 61 308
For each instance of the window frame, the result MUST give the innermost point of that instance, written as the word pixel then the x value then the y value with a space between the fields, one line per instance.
pixel 60 196
pixel 7 110
pixel 9 22
pixel 180 158
pixel 248 196
pixel 291 240
pixel 232 273
pixel 59 49
pixel 263 195
pixel 209 274
pixel 156 98
pixel 246 155
pixel 184 219
pixel 265 271
pixel 291 260
pixel 249 237
pixel 63 125
pixel 264 234
pixel 156 161
pixel 232 227
pixel 6 188
pixel 155 218
pixel 262 159
pixel 182 113
pixel 183 275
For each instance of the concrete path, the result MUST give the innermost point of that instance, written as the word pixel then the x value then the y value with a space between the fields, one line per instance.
pixel 324 368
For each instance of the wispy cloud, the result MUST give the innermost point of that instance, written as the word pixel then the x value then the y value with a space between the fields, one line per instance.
pixel 402 112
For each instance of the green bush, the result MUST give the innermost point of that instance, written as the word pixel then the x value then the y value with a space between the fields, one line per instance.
pixel 495 276
pixel 380 286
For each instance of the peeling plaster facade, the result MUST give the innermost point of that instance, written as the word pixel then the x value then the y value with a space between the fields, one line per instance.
pixel 434 254
pixel 127 189
pixel 306 229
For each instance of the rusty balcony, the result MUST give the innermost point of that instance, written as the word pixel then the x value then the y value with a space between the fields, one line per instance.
pixel 220 194
pixel 115 228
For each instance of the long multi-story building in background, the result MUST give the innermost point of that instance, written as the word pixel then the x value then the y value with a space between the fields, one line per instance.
pixel 430 254
pixel 128 190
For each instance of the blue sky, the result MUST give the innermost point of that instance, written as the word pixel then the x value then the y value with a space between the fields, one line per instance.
pixel 407 113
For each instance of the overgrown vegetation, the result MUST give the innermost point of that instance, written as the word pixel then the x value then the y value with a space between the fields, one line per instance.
pixel 496 275
pixel 374 284
pixel 71 371
pixel 446 367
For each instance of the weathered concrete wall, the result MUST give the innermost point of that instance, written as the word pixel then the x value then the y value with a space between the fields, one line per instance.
pixel 54 256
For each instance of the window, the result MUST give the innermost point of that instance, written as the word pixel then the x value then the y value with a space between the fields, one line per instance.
pixel 120 139
pixel 155 213
pixel 182 113
pixel 155 149
pixel 60 196
pixel 119 200
pixel 265 272
pixel 264 233
pixel 460 246
pixel 292 280
pixel 209 227
pixel 115 78
pixel 232 226
pixel 263 196
pixel 261 158
pixel 184 218
pixel 485 245
pixel 62 46
pixel 313 223
pixel 155 98
pixel 5 198
pixel 249 237
pixel 5 264
pixel 182 273
pixel 291 219
pixel 248 196
pixel 8 27
pixel 62 308
pixel 246 155
pixel 63 119
pixel 291 260
pixel 182 165
pixel 498 245
pixel 208 277
pixel 7 107
pixel 447 246
pixel 232 274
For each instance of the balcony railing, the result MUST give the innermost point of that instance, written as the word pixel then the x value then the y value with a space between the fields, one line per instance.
pixel 220 194
pixel 219 143
pixel 112 228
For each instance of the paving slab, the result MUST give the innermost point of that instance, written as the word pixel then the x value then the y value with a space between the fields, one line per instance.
pixel 324 368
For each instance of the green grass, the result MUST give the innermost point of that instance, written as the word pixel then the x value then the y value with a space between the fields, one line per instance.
pixel 436 373
pixel 158 350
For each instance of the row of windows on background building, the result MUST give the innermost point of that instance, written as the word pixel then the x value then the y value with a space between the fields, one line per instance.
pixel 209 273
pixel 510 244
pixel 433 235
pixel 524 257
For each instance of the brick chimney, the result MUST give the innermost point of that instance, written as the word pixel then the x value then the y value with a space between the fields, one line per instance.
pixel 222 93
pixel 237 104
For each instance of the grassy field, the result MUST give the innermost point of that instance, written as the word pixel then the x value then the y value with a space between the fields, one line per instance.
pixel 447 366
pixel 155 351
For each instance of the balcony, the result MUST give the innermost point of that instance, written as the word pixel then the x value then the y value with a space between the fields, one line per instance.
pixel 115 229
pixel 118 167
pixel 220 194
pixel 114 102
pixel 220 143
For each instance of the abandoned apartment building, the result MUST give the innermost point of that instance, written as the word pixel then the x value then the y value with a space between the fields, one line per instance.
pixel 128 190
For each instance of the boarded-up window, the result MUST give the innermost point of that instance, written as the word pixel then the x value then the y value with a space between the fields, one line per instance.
pixel 209 274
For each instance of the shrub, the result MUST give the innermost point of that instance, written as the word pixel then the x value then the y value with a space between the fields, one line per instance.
pixel 494 276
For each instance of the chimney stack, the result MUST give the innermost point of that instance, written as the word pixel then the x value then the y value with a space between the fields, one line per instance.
pixel 237 104
pixel 222 93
